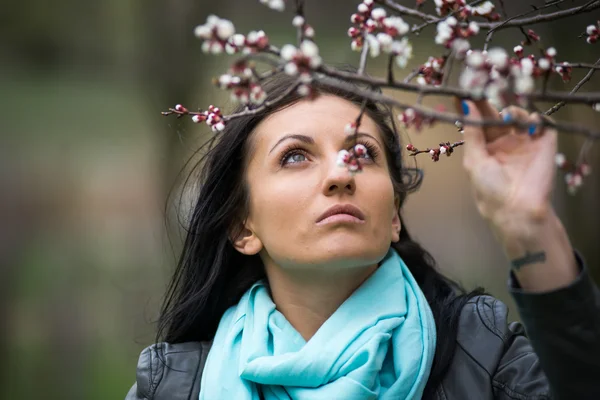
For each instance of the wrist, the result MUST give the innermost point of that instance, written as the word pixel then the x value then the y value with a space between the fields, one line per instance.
pixel 523 227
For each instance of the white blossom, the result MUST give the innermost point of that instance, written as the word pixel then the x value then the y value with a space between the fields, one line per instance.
pixel 444 33
pixel 460 46
pixel 451 21
pixel 473 80
pixel 474 59
pixel 363 8
pixel 544 63
pixel 309 48
pixel 498 57
pixel 524 84
pixel 591 30
pixel 378 13
pixel 278 5
pixel 374 47
pixel 526 66
pixel 482 9
pixel 291 68
pixel 403 51
pixel 196 119
pixel 203 32
pixel 298 21
pixel 443 149
pixel 596 107
pixel 225 29
pixel 225 80
pixel 560 159
pixel 518 49
pixel 474 27
pixel 385 41
pixel 303 90
pixel 397 23
pixel 551 51
pixel 288 52
pixel 341 157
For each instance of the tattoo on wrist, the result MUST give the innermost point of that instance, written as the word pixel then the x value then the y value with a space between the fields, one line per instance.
pixel 528 258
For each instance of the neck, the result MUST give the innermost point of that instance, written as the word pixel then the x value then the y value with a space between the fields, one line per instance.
pixel 307 298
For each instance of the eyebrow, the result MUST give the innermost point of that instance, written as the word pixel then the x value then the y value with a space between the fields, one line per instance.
pixel 309 140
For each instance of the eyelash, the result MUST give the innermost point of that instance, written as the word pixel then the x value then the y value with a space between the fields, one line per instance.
pixel 297 149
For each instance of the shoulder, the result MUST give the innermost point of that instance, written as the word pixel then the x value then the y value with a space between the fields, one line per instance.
pixel 169 371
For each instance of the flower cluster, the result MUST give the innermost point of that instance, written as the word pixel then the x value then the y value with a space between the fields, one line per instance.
pixel 452 34
pixel 432 72
pixel 381 33
pixel 593 33
pixel 564 70
pixel 243 83
pixel 489 73
pixel 219 35
pixel 215 33
pixel 212 117
pixel 574 173
pixel 300 22
pixel 446 148
pixel 301 61
pixel 351 159
pixel 278 5
pixel 463 10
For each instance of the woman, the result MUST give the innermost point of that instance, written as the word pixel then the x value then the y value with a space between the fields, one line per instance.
pixel 298 280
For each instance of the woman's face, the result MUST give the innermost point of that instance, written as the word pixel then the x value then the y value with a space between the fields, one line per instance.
pixel 293 179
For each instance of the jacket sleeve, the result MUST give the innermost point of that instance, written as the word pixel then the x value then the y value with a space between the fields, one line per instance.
pixel 143 388
pixel 169 371
pixel 563 327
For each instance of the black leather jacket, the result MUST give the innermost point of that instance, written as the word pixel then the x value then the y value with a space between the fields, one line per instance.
pixel 494 359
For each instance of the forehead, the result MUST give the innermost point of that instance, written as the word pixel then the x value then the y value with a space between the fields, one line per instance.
pixel 327 114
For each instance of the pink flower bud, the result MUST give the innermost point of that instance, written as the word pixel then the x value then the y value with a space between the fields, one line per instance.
pixel 360 150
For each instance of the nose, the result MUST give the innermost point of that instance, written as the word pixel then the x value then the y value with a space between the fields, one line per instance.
pixel 338 180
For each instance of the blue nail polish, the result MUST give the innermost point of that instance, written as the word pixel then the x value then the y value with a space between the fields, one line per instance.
pixel 506 117
pixel 532 129
pixel 465 107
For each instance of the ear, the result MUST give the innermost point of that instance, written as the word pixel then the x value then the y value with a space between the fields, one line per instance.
pixel 396 225
pixel 247 242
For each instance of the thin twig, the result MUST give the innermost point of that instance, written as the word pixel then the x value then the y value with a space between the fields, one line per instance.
pixel 581 98
pixel 407 10
pixel 411 76
pixel 592 5
pixel 586 78
pixel 453 118
pixel 363 58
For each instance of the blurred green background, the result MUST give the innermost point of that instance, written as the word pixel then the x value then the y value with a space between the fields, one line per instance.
pixel 87 163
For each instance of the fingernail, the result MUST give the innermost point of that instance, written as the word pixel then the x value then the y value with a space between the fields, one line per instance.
pixel 506 116
pixel 532 129
pixel 465 107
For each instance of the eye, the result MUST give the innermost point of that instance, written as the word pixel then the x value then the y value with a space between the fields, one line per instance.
pixel 292 158
pixel 293 155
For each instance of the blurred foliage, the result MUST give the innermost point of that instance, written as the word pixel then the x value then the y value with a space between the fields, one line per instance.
pixel 87 163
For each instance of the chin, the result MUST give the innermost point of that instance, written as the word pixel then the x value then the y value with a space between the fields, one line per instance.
pixel 350 252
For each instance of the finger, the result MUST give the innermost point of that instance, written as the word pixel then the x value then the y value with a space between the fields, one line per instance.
pixel 475 141
pixel 490 113
pixel 517 115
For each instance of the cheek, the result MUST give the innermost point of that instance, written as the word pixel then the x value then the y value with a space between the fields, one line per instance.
pixel 279 205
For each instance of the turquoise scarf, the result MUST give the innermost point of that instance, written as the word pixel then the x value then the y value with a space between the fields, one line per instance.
pixel 379 344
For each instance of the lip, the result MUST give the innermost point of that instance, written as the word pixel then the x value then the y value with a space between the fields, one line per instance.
pixel 342 213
